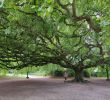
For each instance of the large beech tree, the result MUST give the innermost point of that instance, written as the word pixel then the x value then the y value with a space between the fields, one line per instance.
pixel 71 33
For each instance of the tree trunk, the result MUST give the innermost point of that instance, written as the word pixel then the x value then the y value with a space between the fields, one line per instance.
pixel 27 75
pixel 107 72
pixel 78 76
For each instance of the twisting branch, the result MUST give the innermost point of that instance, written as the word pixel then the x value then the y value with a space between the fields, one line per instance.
pixel 87 18
pixel 74 8
pixel 84 17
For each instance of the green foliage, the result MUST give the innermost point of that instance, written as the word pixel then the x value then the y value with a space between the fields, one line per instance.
pixel 70 33
pixel 86 73
pixel 57 73
pixel 3 72
pixel 70 72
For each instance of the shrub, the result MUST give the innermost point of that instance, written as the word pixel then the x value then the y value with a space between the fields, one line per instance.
pixel 86 74
pixel 57 72
pixel 70 72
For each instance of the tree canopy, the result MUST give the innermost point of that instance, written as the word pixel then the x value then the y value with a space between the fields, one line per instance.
pixel 71 33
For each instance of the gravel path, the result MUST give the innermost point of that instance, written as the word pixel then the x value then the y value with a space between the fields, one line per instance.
pixel 53 89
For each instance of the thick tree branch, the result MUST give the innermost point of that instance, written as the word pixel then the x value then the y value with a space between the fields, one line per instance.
pixel 88 18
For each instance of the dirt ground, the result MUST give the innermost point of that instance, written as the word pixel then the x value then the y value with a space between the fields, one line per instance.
pixel 53 89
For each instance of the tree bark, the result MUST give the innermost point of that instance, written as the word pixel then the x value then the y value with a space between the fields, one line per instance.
pixel 78 75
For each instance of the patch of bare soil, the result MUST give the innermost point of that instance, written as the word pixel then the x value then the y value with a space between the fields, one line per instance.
pixel 53 89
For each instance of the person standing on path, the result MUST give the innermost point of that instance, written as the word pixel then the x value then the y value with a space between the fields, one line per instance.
pixel 65 75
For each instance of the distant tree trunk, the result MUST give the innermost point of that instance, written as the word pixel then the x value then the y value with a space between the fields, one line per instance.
pixel 78 75
pixel 107 73
pixel 27 75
